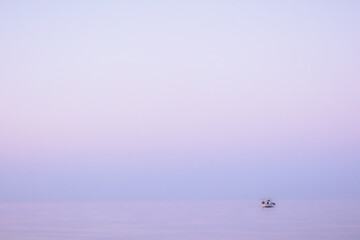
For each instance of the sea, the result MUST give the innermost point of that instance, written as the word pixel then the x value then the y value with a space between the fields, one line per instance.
pixel 192 220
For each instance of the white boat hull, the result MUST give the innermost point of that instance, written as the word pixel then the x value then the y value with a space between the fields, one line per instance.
pixel 268 205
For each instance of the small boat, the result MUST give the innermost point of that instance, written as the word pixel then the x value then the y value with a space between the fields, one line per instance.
pixel 267 204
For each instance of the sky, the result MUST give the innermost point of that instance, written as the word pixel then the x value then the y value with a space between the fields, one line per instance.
pixel 179 100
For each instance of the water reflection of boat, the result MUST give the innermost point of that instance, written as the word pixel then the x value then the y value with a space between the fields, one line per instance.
pixel 267 204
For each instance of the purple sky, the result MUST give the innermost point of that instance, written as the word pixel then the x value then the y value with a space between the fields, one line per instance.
pixel 187 100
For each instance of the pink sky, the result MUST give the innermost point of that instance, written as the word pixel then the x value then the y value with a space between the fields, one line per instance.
pixel 193 100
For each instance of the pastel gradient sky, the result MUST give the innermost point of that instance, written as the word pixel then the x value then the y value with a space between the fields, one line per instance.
pixel 179 100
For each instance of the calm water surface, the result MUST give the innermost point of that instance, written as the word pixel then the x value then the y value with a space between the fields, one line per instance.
pixel 180 220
